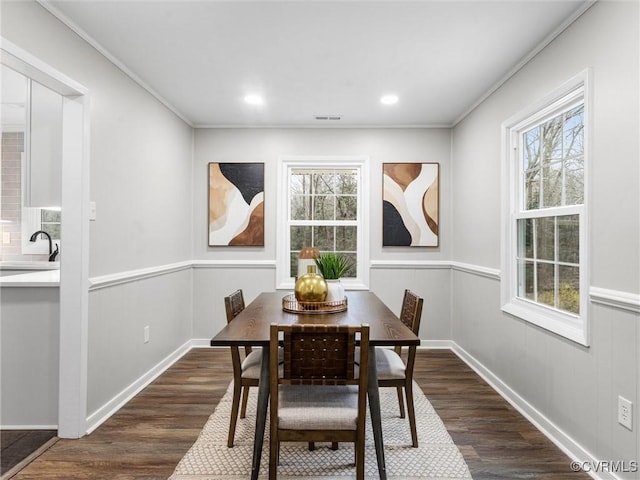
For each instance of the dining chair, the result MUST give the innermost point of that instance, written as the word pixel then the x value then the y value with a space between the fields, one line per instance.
pixel 319 394
pixel 246 372
pixel 392 369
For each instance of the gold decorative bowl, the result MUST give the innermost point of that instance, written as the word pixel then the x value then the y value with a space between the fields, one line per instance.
pixel 292 305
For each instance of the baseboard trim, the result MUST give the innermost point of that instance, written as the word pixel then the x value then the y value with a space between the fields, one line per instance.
pixel 116 403
pixel 436 345
pixel 563 441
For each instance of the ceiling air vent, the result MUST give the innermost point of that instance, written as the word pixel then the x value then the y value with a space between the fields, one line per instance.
pixel 327 117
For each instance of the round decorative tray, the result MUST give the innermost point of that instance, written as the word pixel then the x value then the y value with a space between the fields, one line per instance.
pixel 292 305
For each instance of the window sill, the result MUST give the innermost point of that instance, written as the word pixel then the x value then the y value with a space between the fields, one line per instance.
pixel 355 285
pixel 567 326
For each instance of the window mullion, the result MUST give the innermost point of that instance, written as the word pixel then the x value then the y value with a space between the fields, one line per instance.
pixel 543 153
pixel 563 191
pixel 556 267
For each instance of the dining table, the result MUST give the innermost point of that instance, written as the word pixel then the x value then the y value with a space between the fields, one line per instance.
pixel 251 328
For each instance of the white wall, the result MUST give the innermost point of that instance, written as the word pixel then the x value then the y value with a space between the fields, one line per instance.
pixel 140 164
pixel 268 145
pixel 573 387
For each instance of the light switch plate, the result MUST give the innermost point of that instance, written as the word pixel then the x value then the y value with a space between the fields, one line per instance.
pixel 92 211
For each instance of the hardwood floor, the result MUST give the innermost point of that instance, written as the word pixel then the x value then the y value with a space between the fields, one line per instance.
pixel 149 435
pixel 17 445
pixel 496 441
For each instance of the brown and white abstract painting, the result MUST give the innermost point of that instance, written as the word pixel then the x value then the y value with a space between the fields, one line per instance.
pixel 236 204
pixel 410 204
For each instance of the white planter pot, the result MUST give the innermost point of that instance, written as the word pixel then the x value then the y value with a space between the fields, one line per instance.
pixel 335 291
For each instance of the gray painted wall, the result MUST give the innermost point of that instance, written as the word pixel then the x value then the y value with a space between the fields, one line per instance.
pixel 141 160
pixel 146 186
pixel 576 388
pixel 140 150
pixel 268 145
pixel 29 353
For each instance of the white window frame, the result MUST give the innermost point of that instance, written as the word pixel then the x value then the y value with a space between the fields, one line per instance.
pixel 284 281
pixel 571 326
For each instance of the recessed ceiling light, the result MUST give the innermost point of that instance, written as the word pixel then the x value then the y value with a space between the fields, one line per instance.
pixel 254 99
pixel 389 99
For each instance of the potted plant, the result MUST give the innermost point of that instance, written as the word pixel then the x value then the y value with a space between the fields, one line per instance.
pixel 332 266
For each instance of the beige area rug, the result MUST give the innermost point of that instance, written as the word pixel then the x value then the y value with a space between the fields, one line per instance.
pixel 437 457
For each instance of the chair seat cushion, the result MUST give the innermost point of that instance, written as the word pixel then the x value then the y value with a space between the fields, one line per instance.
pixel 389 364
pixel 318 407
pixel 252 362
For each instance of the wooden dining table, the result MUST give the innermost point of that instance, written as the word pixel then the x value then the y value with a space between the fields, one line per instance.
pixel 251 327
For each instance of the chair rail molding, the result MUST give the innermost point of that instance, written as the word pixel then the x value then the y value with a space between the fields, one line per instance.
pixel 616 299
pixel 487 272
pixel 110 280
pixel 492 273
pixel 410 264
pixel 267 264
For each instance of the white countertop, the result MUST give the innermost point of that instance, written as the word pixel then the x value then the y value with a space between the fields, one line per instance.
pixel 28 265
pixel 45 278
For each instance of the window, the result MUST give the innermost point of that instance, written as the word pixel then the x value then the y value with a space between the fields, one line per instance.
pixel 544 243
pixel 34 219
pixel 322 204
pixel 50 222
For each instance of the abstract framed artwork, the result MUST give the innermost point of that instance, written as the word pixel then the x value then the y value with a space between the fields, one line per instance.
pixel 410 204
pixel 236 204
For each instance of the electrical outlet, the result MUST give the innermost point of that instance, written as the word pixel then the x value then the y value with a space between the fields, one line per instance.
pixel 625 413
pixel 146 334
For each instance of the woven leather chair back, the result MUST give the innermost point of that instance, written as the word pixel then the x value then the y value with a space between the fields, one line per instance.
pixel 234 304
pixel 411 312
pixel 320 354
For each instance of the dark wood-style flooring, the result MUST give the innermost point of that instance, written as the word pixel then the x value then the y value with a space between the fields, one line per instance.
pixel 17 445
pixel 151 433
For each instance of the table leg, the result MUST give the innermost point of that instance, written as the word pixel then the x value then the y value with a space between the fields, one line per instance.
pixel 376 418
pixel 261 413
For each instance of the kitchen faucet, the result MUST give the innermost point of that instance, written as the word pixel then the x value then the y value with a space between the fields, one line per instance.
pixel 52 254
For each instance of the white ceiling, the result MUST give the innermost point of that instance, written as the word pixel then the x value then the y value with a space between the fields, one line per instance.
pixel 309 58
